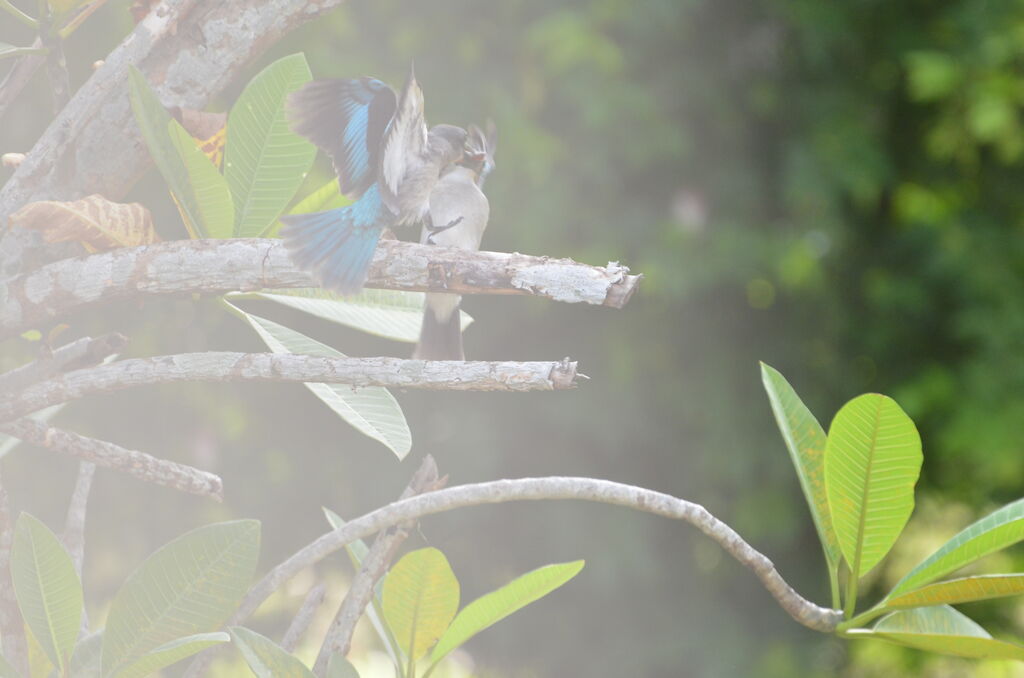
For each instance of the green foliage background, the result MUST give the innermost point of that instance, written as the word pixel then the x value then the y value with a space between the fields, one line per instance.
pixel 834 188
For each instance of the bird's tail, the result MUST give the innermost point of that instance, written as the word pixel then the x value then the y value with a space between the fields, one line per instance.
pixel 336 246
pixel 441 332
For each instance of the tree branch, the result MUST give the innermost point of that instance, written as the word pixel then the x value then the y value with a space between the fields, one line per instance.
pixel 360 592
pixel 219 266
pixel 84 352
pixel 224 366
pixel 138 464
pixel 74 524
pixel 303 618
pixel 534 489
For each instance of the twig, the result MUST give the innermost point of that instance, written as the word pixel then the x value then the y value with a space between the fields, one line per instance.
pixel 56 66
pixel 12 628
pixel 143 466
pixel 303 618
pixel 533 489
pixel 218 266
pixel 19 76
pixel 225 367
pixel 18 14
pixel 84 352
pixel 74 525
pixel 339 636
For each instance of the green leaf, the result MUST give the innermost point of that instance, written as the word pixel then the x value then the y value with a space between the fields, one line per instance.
pixel 421 596
pixel 805 440
pixel 872 461
pixel 964 590
pixel 992 533
pixel 47 587
pixel 265 162
pixel 8 671
pixel 171 653
pixel 491 608
pixel 372 411
pixel 942 630
pixel 357 551
pixel 327 197
pixel 390 314
pixel 199 189
pixel 339 667
pixel 206 184
pixel 63 7
pixel 265 657
pixel 189 586
pixel 85 661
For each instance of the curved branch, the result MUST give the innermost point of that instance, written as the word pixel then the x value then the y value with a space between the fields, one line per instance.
pixel 219 266
pixel 224 366
pixel 534 489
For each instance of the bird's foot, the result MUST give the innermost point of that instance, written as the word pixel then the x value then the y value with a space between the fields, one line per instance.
pixel 434 230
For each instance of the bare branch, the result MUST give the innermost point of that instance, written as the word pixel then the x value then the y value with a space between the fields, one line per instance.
pixel 534 489
pixel 84 352
pixel 218 266
pixel 74 524
pixel 143 466
pixel 224 367
pixel 12 628
pixel 303 618
pixel 339 636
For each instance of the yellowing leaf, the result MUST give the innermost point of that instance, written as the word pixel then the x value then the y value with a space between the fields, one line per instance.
pixel 94 221
pixel 420 599
pixel 963 590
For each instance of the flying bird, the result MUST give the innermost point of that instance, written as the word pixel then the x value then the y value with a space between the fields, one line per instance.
pixel 460 206
pixel 385 157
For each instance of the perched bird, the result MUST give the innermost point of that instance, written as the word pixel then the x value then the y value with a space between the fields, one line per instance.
pixel 460 206
pixel 384 156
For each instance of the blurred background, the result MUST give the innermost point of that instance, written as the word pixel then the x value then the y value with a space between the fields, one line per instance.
pixel 833 188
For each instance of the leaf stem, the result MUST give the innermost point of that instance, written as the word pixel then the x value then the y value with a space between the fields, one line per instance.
pixel 863 618
pixel 833 583
pixel 23 51
pixel 19 15
pixel 851 595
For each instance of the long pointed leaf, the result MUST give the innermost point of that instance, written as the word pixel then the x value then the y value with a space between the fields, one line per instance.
pixel 265 162
pixel 872 462
pixel 198 188
pixel 47 587
pixel 207 186
pixel 421 596
pixel 805 440
pixel 963 590
pixel 85 661
pixel 372 411
pixel 992 533
pixel 942 630
pixel 171 653
pixel 339 667
pixel 384 313
pixel 265 657
pixel 491 608
pixel 189 586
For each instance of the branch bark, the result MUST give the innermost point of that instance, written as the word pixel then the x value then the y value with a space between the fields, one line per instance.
pixel 84 352
pixel 534 489
pixel 303 618
pixel 339 636
pixel 220 266
pixel 143 466
pixel 224 366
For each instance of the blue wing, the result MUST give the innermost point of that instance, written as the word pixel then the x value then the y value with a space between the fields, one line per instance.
pixel 347 119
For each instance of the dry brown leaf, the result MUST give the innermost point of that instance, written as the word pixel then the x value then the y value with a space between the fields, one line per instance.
pixel 94 221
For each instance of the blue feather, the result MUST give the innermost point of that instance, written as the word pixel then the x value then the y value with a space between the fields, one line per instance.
pixel 337 245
